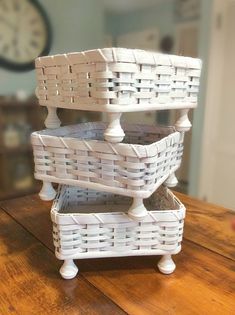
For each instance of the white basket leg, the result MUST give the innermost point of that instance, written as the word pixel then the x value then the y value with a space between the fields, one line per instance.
pixel 68 270
pixel 47 192
pixel 171 181
pixel 166 265
pixel 137 210
pixel 183 123
pixel 52 121
pixel 114 132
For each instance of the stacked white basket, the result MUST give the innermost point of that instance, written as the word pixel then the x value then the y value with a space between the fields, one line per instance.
pixel 107 170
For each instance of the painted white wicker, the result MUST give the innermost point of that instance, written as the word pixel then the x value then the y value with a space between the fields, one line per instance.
pixel 91 224
pixel 77 155
pixel 117 80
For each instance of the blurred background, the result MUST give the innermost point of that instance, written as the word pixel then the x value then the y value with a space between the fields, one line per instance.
pixel 203 29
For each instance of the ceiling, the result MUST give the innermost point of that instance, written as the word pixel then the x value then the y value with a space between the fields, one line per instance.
pixel 121 6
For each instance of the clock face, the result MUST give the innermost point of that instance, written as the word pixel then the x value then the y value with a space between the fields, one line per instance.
pixel 24 33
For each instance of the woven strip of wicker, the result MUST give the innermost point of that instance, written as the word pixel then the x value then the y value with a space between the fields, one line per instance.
pixel 118 79
pixel 77 155
pixel 94 224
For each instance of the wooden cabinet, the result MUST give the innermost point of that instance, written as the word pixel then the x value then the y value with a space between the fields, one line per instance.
pixel 17 120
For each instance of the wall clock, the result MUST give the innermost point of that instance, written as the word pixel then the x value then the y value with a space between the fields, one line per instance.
pixel 25 34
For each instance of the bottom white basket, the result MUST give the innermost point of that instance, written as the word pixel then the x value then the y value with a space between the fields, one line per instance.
pixel 92 224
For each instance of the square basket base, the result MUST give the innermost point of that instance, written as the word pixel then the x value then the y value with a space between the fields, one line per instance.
pixel 92 224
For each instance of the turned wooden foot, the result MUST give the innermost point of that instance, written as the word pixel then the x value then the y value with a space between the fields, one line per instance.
pixel 183 123
pixel 171 181
pixel 52 121
pixel 68 270
pixel 166 265
pixel 114 132
pixel 47 192
pixel 137 211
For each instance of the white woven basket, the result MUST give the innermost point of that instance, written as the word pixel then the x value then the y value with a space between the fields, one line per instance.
pixel 78 156
pixel 89 224
pixel 118 80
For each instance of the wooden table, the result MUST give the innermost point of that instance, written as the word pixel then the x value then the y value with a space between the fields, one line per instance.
pixel 203 283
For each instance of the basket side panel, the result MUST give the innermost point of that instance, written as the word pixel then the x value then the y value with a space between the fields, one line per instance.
pixel 125 166
pixel 93 235
pixel 99 78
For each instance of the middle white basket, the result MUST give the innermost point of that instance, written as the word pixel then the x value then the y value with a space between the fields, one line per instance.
pixel 78 156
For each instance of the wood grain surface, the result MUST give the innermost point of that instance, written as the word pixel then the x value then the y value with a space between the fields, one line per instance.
pixel 203 283
pixel 29 279
pixel 209 225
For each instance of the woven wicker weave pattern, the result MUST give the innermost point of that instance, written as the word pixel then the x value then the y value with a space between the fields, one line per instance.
pixel 67 155
pixel 96 79
pixel 92 234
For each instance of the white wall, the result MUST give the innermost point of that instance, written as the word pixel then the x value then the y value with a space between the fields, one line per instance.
pixel 160 16
pixel 198 118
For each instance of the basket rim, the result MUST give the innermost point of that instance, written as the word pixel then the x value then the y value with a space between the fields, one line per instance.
pixel 101 126
pixel 62 188
pixel 124 108
pixel 117 55
pixel 140 150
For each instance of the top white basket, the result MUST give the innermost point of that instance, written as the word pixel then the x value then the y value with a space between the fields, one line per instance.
pixel 118 80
